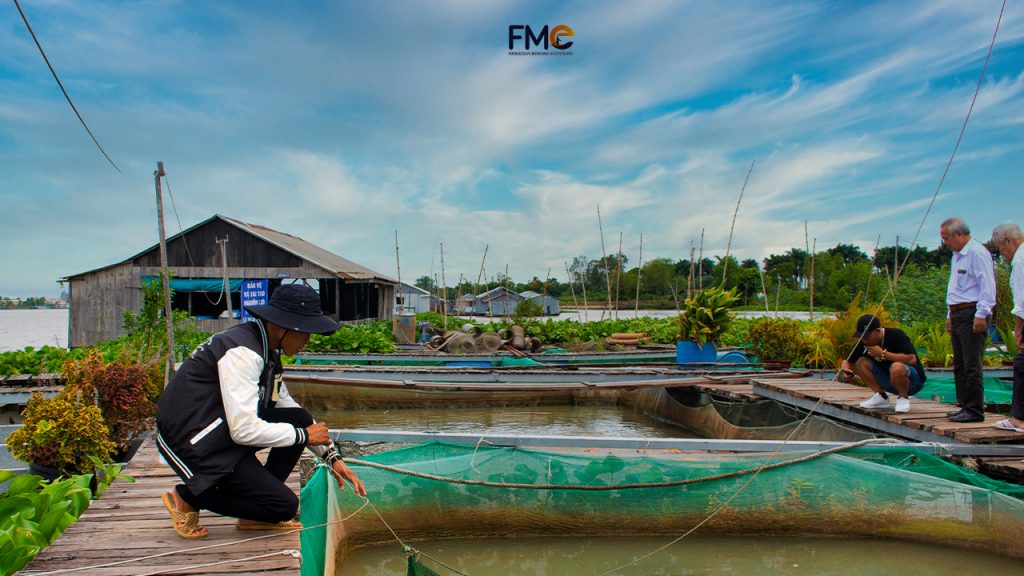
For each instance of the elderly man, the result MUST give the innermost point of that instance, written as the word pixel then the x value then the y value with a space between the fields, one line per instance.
pixel 970 296
pixel 886 360
pixel 226 402
pixel 1008 239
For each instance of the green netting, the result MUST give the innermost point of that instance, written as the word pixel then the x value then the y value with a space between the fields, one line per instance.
pixel 416 568
pixel 873 491
pixel 996 390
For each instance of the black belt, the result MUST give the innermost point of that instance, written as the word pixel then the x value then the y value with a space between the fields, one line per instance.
pixel 962 306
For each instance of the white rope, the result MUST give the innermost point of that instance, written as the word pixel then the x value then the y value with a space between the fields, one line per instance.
pixel 288 552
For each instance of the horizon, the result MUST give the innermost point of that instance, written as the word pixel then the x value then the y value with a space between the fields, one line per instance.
pixel 340 123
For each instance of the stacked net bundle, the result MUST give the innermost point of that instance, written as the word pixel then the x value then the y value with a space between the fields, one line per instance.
pixel 872 491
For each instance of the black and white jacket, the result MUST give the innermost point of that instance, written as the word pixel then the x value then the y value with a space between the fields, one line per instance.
pixel 209 416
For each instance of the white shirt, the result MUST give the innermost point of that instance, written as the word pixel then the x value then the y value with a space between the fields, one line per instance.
pixel 972 278
pixel 1017 282
pixel 239 370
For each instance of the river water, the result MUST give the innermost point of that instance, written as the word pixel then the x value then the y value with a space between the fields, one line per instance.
pixel 692 556
pixel 557 420
pixel 21 328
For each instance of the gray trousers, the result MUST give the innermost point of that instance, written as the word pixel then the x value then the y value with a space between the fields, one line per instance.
pixel 968 351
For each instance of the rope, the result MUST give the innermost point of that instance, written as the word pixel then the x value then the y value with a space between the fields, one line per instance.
pixel 65 92
pixel 199 548
pixel 292 553
pixel 640 485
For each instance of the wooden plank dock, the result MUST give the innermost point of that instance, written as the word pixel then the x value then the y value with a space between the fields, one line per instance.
pixel 129 521
pixel 926 421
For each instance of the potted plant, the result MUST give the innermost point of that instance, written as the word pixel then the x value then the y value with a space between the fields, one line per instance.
pixel 122 390
pixel 704 318
pixel 61 436
pixel 777 342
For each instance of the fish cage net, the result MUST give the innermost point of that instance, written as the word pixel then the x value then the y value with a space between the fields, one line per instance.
pixel 886 492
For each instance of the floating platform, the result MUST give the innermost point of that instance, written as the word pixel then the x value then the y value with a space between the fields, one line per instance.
pixel 129 521
pixel 926 421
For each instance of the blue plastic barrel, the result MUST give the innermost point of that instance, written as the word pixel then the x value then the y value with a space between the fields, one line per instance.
pixel 733 357
pixel 689 352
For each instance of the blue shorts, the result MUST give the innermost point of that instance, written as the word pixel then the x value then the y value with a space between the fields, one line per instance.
pixel 882 375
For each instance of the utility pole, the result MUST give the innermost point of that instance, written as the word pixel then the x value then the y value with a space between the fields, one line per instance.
pixel 168 316
pixel 224 266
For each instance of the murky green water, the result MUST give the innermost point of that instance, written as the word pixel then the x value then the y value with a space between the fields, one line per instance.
pixel 747 556
pixel 597 420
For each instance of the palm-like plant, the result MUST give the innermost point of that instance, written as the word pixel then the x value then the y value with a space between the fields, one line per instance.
pixel 707 315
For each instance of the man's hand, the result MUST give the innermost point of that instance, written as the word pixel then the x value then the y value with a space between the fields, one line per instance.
pixel 874 351
pixel 949 326
pixel 318 434
pixel 343 472
pixel 1019 337
pixel 980 325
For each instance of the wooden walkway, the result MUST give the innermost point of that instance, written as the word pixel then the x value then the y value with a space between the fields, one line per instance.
pixel 926 421
pixel 129 521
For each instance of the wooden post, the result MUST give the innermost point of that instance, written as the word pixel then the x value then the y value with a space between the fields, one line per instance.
pixel 168 315
pixel 398 264
pixel 764 290
pixel 224 268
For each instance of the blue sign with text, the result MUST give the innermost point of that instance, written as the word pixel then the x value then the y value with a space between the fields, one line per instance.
pixel 254 293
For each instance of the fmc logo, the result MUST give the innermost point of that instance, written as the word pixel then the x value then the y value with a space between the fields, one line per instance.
pixel 543 38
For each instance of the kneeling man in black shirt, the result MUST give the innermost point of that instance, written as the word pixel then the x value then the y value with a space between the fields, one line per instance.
pixel 886 360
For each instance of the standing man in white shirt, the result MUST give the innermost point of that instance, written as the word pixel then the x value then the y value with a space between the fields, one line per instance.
pixel 970 296
pixel 1008 239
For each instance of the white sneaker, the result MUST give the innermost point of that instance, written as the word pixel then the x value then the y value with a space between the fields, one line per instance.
pixel 902 405
pixel 876 401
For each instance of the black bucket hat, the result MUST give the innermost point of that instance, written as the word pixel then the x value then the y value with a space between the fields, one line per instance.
pixel 296 307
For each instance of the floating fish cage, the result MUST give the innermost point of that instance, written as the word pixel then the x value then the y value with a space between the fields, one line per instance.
pixel 439 491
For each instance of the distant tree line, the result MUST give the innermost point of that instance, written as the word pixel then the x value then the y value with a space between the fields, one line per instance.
pixel 838 274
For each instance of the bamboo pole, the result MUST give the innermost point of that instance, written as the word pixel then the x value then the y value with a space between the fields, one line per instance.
pixel 604 257
pixel 444 290
pixel 778 290
pixel 871 270
pixel 814 247
pixel 505 294
pixel 476 286
pixel 728 246
pixel 700 265
pixel 572 289
pixel 618 276
pixel 583 284
pixel 544 298
pixel 639 268
pixel 764 290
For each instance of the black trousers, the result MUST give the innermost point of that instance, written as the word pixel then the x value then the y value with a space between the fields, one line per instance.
pixel 968 352
pixel 254 491
pixel 1017 405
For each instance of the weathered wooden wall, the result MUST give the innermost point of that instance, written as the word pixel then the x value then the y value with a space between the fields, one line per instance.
pixel 98 303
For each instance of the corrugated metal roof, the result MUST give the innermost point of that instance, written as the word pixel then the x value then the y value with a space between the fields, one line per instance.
pixel 499 292
pixel 312 253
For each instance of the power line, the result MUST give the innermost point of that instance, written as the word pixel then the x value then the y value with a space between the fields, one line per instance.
pixel 61 85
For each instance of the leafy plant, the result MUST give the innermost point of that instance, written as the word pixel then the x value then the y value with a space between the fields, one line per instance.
pixel 779 339
pixel 706 315
pixel 63 432
pixel 839 329
pixel 122 391
pixel 364 338
pixel 932 337
pixel 33 513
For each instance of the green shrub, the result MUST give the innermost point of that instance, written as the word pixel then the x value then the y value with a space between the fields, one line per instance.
pixel 63 433
pixel 779 339
pixel 706 315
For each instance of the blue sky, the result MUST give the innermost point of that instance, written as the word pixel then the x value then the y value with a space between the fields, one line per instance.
pixel 340 122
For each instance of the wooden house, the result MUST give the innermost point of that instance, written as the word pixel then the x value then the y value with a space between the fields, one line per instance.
pixel 256 260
